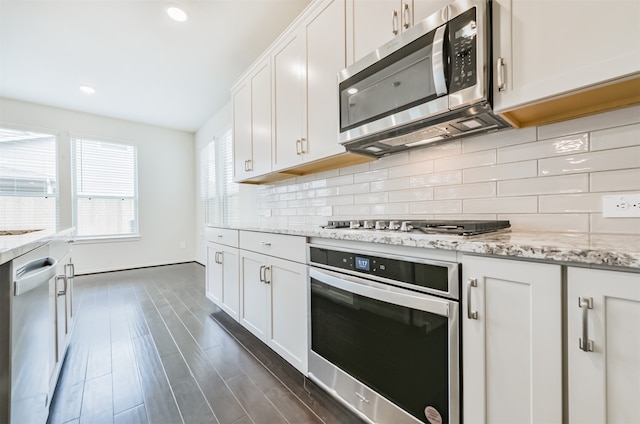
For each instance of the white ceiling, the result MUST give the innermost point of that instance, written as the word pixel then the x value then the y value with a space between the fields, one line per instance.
pixel 144 66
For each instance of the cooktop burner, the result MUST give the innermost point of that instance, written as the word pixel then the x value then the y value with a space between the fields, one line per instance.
pixel 455 227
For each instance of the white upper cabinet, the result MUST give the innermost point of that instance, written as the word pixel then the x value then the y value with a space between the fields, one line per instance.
pixel 252 123
pixel 548 49
pixel 306 64
pixel 377 21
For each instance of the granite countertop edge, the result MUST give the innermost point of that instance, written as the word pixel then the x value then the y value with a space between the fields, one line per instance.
pixel 13 246
pixel 607 250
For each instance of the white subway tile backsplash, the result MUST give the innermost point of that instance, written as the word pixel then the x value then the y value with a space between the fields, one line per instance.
pixel 527 204
pixel 591 162
pixel 612 138
pixel 502 138
pixel 571 203
pixel 466 191
pixel 507 171
pixel 626 116
pixel 354 189
pixel 467 160
pixel 425 193
pixel 626 179
pixel 599 224
pixel 369 198
pixel 439 178
pixel 377 175
pixel 436 206
pixel 548 222
pixel 391 184
pixel 566 145
pixel 549 178
pixel 416 168
pixel 577 183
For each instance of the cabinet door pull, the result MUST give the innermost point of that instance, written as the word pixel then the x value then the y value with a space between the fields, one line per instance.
pixel 263 273
pixel 267 280
pixel 73 270
pixel 298 147
pixel 472 282
pixel 265 243
pixel 500 74
pixel 64 291
pixel 219 257
pixel 304 145
pixel 585 303
pixel 406 16
pixel 394 22
pixel 247 165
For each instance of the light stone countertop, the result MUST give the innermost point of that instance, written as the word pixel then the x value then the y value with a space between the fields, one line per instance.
pixel 13 246
pixel 566 247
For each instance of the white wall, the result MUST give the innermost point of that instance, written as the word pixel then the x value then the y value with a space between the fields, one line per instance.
pixel 167 211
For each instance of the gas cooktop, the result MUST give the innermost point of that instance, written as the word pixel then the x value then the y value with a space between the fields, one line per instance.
pixel 454 227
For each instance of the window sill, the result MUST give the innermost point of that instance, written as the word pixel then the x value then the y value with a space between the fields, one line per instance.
pixel 107 239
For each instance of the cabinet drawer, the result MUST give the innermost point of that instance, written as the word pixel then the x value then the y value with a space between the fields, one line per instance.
pixel 282 246
pixel 224 236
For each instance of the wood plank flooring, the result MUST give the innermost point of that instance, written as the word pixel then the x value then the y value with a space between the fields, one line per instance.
pixel 149 347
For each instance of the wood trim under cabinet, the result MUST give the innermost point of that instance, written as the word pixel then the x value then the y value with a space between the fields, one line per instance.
pixel 600 99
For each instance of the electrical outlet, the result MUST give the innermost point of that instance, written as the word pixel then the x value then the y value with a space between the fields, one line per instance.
pixel 621 206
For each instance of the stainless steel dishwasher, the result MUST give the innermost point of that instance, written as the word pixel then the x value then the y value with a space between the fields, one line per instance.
pixel 31 335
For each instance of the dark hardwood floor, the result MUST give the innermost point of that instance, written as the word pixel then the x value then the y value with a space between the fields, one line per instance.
pixel 149 347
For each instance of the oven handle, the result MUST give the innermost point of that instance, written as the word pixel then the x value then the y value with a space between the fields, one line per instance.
pixel 386 293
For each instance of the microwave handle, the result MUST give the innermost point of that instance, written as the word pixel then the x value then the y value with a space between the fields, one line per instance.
pixel 437 61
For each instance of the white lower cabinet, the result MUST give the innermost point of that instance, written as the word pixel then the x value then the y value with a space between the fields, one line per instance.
pixel 222 278
pixel 512 341
pixel 273 302
pixel 603 318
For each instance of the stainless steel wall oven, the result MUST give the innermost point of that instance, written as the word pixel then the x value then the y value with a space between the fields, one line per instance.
pixel 384 333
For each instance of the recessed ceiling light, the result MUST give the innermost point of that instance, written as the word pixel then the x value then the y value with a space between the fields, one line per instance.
pixel 87 89
pixel 177 13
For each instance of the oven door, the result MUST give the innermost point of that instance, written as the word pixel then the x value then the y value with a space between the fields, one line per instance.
pixel 388 353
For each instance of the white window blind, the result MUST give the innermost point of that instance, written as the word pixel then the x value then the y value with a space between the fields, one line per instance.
pixel 28 180
pixel 105 194
pixel 220 193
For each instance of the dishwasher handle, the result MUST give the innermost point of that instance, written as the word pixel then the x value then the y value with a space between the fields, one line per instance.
pixel 33 274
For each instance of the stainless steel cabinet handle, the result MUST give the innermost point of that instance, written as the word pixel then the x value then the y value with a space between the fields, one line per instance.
pixel 500 74
pixel 218 257
pixel 394 22
pixel 262 273
pixel 267 280
pixel 472 282
pixel 64 291
pixel 298 147
pixel 248 166
pixel 406 16
pixel 73 269
pixel 585 303
pixel 303 148
pixel 265 243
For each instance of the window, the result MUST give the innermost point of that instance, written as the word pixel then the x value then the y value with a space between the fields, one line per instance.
pixel 28 180
pixel 220 193
pixel 105 195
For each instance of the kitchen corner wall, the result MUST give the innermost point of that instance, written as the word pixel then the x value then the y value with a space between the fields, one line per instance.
pixel 548 178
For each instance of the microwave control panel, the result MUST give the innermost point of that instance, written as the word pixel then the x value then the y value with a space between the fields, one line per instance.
pixel 463 31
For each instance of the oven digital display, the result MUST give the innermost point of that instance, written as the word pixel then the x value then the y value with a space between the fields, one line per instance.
pixel 362 263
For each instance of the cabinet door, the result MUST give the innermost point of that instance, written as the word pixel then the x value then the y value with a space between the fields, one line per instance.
pixel 261 119
pixel 604 384
pixel 554 47
pixel 374 23
pixel 323 65
pixel 422 9
pixel 289 69
pixel 254 294
pixel 230 281
pixel 242 147
pixel 288 311
pixel 512 356
pixel 214 277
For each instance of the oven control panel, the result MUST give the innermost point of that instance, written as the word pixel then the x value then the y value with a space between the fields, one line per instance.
pixel 412 273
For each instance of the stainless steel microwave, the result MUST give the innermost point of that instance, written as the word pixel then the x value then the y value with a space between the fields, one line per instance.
pixel 429 84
